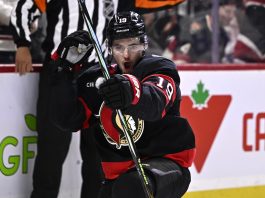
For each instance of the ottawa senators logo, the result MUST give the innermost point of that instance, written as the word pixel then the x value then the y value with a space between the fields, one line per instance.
pixel 113 130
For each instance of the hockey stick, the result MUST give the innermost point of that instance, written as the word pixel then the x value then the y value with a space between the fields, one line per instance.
pixel 139 167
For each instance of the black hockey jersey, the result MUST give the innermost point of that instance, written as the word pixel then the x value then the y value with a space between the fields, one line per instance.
pixel 154 121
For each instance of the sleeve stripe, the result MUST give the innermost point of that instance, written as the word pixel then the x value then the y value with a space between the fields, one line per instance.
pixel 21 18
pixel 136 86
pixel 169 80
pixel 158 88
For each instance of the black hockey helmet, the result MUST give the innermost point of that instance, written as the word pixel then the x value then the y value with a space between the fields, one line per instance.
pixel 126 25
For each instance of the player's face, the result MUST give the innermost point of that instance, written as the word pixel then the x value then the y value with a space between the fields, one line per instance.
pixel 127 53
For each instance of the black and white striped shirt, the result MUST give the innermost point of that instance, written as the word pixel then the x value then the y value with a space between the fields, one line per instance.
pixel 63 18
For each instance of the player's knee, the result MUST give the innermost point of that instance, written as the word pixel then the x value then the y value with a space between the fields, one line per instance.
pixel 128 185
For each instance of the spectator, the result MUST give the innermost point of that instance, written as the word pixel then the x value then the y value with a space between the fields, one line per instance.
pixel 250 45
pixel 194 45
pixel 168 24
pixel 153 46
pixel 229 21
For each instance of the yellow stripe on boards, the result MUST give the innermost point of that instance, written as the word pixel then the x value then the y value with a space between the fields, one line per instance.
pixel 245 192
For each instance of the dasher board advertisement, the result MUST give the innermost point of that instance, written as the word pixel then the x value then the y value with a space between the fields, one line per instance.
pixel 227 112
pixel 18 139
pixel 225 108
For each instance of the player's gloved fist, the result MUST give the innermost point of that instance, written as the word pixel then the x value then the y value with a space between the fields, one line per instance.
pixel 116 92
pixel 75 48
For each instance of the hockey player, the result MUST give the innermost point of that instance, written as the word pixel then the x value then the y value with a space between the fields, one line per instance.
pixel 146 89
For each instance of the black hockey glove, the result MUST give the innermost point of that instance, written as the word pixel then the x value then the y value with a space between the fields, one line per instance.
pixel 75 48
pixel 58 72
pixel 118 91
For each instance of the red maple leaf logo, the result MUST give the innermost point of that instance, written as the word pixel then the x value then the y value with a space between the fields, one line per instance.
pixel 205 114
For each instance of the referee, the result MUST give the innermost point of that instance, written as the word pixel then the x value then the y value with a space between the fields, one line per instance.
pixel 63 18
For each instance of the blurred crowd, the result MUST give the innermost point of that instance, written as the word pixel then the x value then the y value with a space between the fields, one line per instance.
pixel 197 31
pixel 185 34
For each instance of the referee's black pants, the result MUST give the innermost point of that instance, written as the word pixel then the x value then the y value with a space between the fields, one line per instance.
pixel 52 148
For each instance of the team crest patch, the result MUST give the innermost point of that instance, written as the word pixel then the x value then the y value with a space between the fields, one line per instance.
pixel 113 130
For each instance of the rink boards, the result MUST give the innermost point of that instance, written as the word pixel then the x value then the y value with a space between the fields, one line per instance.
pixel 228 120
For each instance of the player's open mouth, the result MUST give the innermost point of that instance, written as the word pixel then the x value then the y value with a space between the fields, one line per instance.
pixel 127 65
